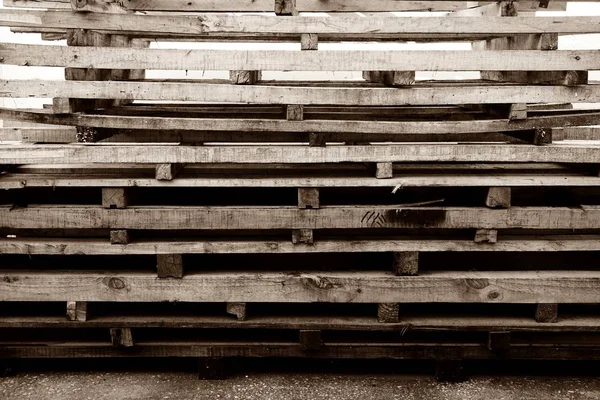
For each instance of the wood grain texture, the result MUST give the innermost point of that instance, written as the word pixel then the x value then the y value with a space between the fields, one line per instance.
pixel 345 287
pixel 169 266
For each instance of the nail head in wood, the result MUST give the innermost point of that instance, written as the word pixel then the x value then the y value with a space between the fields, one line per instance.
pixel 121 337
pixel 486 236
pixel 295 112
pixel 169 265
pixel 310 340
pixel 309 41
pixel 302 236
pixel 119 237
pixel 406 263
pixel 167 172
pixel 308 198
pixel 547 313
pixel 384 170
pixel 114 198
pixel 499 341
pixel 498 197
pixel 388 312
pixel 77 311
pixel 237 309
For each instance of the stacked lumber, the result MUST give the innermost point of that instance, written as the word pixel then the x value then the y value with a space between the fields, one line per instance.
pixel 381 215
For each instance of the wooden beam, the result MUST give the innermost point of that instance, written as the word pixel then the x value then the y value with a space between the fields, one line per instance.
pixel 237 309
pixel 330 217
pixel 114 197
pixel 406 263
pixel 99 6
pixel 121 337
pixel 388 312
pixel 308 198
pixel 310 340
pixel 119 236
pixel 498 197
pixel 346 23
pixel 546 313
pixel 169 265
pixel 77 311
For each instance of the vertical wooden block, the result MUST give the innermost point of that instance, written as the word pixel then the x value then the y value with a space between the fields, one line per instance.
pixel 212 368
pixel 121 337
pixel 384 170
pixel 388 312
pixel 547 313
pixel 542 136
pixel 486 236
pixel 450 370
pixel 237 309
pixel 317 140
pixel 309 41
pixel 517 112
pixel 373 76
pixel 77 311
pixel 119 236
pixel 244 77
pixel 295 112
pixel 399 78
pixel 302 236
pixel 308 198
pixel 310 340
pixel 114 198
pixel 406 263
pixel 499 342
pixel 167 172
pixel 285 7
pixel 61 105
pixel 169 265
pixel 498 197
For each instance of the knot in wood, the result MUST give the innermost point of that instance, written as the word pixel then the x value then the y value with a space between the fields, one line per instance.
pixel 115 283
pixel 317 282
pixel 477 283
pixel 493 295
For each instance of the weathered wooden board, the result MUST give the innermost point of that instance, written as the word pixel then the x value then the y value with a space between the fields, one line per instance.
pixel 164 154
pixel 267 5
pixel 352 95
pixel 285 60
pixel 49 246
pixel 327 217
pixel 333 287
pixel 204 24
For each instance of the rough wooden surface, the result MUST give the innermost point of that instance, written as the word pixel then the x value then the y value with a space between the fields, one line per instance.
pixel 77 311
pixel 546 313
pixel 169 265
pixel 114 197
pixel 406 263
pixel 388 312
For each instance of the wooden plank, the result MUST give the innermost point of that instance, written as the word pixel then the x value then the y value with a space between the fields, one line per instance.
pixel 203 24
pixel 50 246
pixel 346 287
pixel 169 266
pixel 284 217
pixel 267 5
pixel 77 311
pixel 91 153
pixel 246 61
pixel 437 94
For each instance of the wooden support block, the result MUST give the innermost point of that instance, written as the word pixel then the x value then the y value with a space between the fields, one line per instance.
pixel 169 265
pixel 121 337
pixel 310 340
pixel 285 7
pixel 77 311
pixel 546 313
pixel 244 77
pixel 406 263
pixel 373 76
pixel 399 78
pixel 102 6
pixel 450 370
pixel 87 134
pixel 388 312
pixel 499 342
pixel 317 140
pixel 167 172
pixel 212 368
pixel 295 112
pixel 384 170
pixel 302 236
pixel 517 112
pixel 542 136
pixel 309 41
pixel 498 197
pixel 119 236
pixel 308 197
pixel 114 198
pixel 61 105
pixel 237 309
pixel 486 236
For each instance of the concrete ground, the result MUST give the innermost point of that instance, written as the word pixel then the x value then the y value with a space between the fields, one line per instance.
pixel 73 380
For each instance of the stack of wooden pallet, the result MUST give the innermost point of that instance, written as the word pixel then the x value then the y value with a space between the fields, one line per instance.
pixel 381 215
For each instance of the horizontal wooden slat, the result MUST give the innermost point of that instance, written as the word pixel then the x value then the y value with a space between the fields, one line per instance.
pixel 102 247
pixel 157 154
pixel 333 287
pixel 202 24
pixel 359 95
pixel 330 217
pixel 285 60
pixel 267 5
